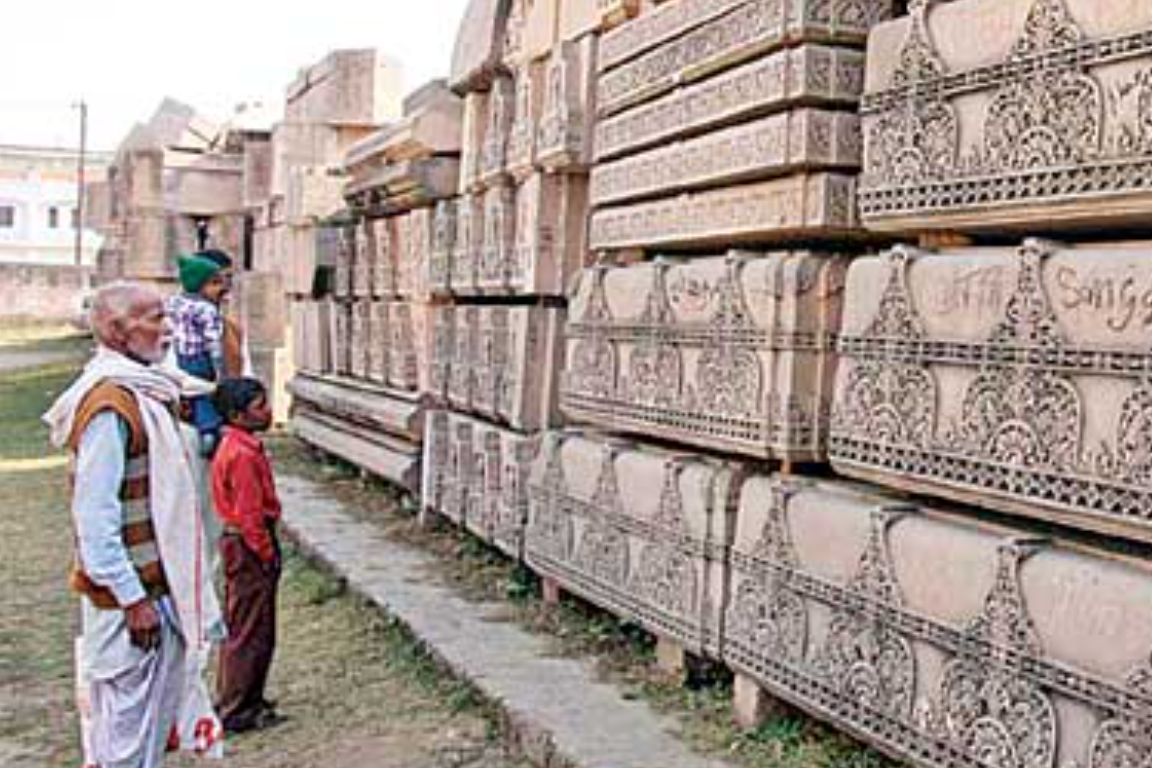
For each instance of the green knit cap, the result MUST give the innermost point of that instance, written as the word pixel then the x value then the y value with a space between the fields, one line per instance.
pixel 195 271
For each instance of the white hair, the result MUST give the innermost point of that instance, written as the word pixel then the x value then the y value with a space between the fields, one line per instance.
pixel 120 300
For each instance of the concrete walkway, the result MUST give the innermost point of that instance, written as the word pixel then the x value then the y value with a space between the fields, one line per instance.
pixel 561 715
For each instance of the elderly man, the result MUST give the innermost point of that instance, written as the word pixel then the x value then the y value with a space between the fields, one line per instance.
pixel 140 557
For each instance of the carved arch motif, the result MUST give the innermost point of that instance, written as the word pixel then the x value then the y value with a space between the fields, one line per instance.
pixel 603 549
pixel 594 359
pixel 665 574
pixel 987 707
pixel 729 377
pixel 655 366
pixel 767 616
pixel 863 656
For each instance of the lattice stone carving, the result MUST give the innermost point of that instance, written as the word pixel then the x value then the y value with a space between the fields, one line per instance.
pixel 505 365
pixel 729 353
pixel 1040 120
pixel 941 640
pixel 636 530
pixel 811 74
pixel 565 131
pixel 657 26
pixel 1015 380
pixel 803 139
pixel 802 206
pixel 748 30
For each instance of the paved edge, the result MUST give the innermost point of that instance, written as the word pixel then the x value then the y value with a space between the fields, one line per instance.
pixel 556 711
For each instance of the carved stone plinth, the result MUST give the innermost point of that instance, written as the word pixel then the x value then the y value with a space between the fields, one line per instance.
pixel 476 474
pixel 732 354
pixel 803 139
pixel 504 364
pixel 564 133
pixel 1014 379
pixel 501 112
pixel 796 207
pixel 529 89
pixel 365 263
pixel 640 532
pixel 1020 114
pixel 747 30
pixel 442 248
pixel 391 459
pixel 343 273
pixel 443 350
pixel 941 641
pixel 550 243
pixel 810 74
pixel 361 341
pixel 314 193
pixel 496 258
pixel 379 333
pixel 475 131
pixel 469 244
pixel 381 252
pixel 340 329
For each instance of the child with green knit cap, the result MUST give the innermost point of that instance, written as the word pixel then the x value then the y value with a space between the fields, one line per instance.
pixel 198 337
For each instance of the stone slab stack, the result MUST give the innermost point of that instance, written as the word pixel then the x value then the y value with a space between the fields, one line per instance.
pixel 723 216
pixel 364 398
pixel 505 250
pixel 297 192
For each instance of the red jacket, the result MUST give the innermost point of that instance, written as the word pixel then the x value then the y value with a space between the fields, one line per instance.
pixel 243 490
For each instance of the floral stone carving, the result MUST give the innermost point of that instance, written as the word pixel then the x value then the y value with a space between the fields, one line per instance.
pixel 935 638
pixel 1042 119
pixel 1013 380
pixel 636 530
pixel 730 353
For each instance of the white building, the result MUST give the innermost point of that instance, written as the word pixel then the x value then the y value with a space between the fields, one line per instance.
pixel 38 211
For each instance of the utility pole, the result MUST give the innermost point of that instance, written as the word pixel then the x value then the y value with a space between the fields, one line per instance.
pixel 80 169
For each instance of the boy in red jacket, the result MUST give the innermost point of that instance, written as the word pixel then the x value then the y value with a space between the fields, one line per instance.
pixel 246 502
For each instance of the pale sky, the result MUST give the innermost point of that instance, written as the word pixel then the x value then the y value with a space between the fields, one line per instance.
pixel 123 56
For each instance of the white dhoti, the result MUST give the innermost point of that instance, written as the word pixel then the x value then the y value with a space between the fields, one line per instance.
pixel 134 697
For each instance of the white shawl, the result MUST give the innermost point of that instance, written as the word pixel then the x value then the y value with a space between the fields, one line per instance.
pixel 173 491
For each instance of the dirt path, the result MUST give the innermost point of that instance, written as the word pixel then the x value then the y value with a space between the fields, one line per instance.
pixel 358 693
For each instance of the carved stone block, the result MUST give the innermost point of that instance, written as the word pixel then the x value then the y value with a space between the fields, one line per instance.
pixel 656 26
pixel 942 641
pixel 418 253
pixel 442 248
pixel 344 272
pixel 393 460
pixel 506 363
pixel 476 56
pixel 638 531
pixel 1023 114
pixel 497 256
pixel 811 74
pixel 803 139
pixel 1015 380
pixel 476 474
pixel 551 212
pixel 362 406
pixel 733 353
pixel 380 245
pixel 529 88
pixel 466 257
pixel 357 87
pixel 443 350
pixel 314 193
pixel 475 131
pixel 379 333
pixel 466 341
pixel 340 329
pixel 309 336
pixel 746 31
pixel 501 111
pixel 293 251
pixel 367 262
pixel 360 344
pixel 796 207
pixel 565 131
pixel 616 12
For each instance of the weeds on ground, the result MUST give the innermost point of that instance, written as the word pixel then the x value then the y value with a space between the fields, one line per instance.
pixel 623 653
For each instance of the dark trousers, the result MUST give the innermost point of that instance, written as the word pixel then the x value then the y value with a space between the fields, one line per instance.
pixel 204 415
pixel 250 587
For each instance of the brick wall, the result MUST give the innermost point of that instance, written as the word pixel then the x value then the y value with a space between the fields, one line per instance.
pixel 42 292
